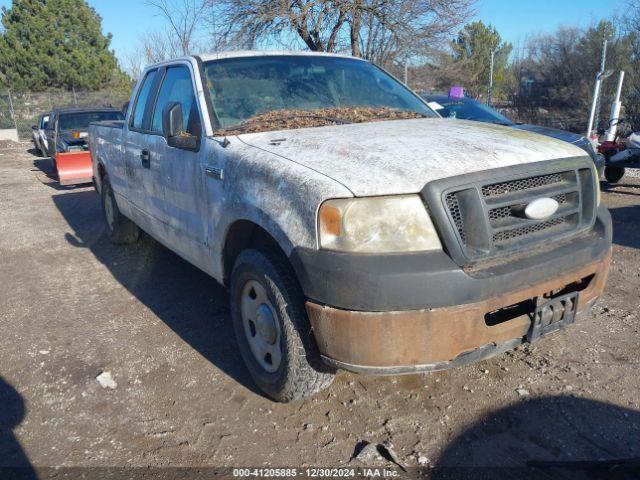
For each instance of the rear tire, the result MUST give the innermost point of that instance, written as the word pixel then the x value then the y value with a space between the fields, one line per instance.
pixel 613 174
pixel 120 229
pixel 272 328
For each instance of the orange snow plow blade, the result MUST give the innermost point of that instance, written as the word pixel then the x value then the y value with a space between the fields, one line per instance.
pixel 74 168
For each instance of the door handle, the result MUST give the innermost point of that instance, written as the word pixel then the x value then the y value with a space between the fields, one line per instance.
pixel 214 172
pixel 145 158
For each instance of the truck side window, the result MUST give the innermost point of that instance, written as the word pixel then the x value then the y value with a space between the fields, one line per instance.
pixel 141 101
pixel 177 87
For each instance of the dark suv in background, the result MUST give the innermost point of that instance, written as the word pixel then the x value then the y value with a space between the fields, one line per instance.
pixel 457 105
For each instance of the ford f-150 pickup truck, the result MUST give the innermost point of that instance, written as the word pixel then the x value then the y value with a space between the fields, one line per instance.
pixel 354 228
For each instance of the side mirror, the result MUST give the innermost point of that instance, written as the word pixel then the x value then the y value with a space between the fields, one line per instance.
pixel 125 107
pixel 34 127
pixel 173 128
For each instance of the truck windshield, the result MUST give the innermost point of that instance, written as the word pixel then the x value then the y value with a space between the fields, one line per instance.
pixel 81 120
pixel 281 92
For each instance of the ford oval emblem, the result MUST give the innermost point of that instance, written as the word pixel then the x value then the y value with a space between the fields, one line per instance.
pixel 541 208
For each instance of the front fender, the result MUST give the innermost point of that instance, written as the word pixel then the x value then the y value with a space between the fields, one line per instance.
pixel 279 195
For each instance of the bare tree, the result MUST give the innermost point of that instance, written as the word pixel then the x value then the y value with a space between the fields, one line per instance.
pixel 184 17
pixel 631 18
pixel 375 29
pixel 390 29
pixel 316 23
pixel 134 62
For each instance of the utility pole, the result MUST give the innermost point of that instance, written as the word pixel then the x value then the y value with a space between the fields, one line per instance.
pixel 602 74
pixel 616 106
pixel 490 93
pixel 406 72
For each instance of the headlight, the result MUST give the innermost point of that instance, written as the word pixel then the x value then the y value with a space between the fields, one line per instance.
pixel 377 225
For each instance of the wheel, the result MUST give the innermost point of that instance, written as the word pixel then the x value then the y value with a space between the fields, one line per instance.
pixel 120 229
pixel 272 328
pixel 613 174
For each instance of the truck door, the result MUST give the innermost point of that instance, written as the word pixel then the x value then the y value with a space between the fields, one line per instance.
pixel 42 135
pixel 141 156
pixel 184 207
pixel 50 134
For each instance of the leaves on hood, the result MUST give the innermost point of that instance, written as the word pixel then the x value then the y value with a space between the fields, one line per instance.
pixel 292 119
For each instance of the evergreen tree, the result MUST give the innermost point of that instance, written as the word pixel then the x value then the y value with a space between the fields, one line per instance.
pixel 55 44
pixel 472 49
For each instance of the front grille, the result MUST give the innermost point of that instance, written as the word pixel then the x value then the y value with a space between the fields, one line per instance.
pixel 456 215
pixel 507 235
pixel 486 216
pixel 497 189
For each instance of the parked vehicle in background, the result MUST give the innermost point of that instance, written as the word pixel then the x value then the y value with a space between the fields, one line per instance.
pixel 620 154
pixel 38 134
pixel 457 105
pixel 354 228
pixel 66 138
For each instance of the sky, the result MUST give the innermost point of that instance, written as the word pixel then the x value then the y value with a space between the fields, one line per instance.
pixel 128 20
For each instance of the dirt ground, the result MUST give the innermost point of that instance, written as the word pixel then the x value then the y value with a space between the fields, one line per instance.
pixel 73 306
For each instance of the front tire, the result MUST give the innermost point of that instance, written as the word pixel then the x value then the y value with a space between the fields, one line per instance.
pixel 272 328
pixel 613 174
pixel 120 229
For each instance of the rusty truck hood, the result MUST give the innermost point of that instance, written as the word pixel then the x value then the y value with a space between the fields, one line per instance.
pixel 401 156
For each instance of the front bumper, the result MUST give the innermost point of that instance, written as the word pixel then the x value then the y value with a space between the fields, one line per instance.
pixel 396 314
pixel 403 342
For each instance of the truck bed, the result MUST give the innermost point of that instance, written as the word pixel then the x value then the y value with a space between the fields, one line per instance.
pixel 105 140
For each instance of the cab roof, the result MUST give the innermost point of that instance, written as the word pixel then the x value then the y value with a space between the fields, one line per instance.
pixel 63 110
pixel 206 57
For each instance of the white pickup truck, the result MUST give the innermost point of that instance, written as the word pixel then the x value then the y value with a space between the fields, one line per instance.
pixel 354 228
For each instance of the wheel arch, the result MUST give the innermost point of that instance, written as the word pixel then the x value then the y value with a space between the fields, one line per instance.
pixel 243 234
pixel 101 172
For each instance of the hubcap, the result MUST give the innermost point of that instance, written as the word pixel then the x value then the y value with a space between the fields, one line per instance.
pixel 261 327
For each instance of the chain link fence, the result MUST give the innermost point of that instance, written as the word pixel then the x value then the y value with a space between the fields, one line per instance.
pixel 20 110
